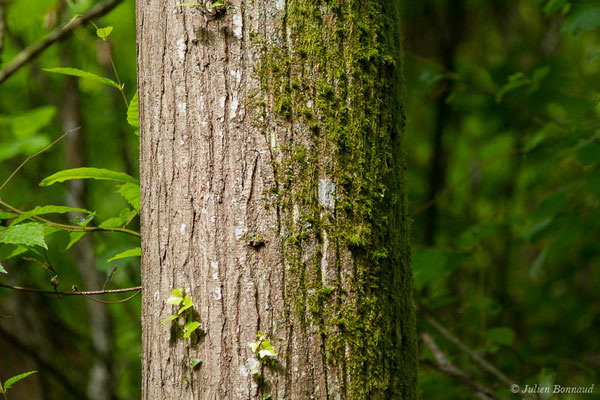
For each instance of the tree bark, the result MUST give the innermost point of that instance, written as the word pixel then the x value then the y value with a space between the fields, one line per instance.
pixel 272 189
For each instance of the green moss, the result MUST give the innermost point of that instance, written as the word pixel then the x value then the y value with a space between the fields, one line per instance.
pixel 338 77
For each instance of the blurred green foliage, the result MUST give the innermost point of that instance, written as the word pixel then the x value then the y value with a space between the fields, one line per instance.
pixel 510 90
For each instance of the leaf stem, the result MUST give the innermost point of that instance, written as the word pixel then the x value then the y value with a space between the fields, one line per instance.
pixel 72 228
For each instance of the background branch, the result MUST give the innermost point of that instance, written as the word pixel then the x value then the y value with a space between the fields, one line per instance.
pixel 444 366
pixel 73 293
pixel 56 35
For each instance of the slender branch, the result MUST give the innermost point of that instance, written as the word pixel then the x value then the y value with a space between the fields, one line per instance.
pixel 72 228
pixel 47 365
pixel 75 292
pixel 56 35
pixel 35 155
pixel 443 365
pixel 126 299
pixel 471 353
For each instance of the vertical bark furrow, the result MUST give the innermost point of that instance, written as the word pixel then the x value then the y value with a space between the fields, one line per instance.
pixel 272 193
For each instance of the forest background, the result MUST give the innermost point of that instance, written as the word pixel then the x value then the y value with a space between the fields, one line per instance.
pixel 503 150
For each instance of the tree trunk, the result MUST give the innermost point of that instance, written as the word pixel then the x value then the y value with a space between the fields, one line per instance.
pixel 272 185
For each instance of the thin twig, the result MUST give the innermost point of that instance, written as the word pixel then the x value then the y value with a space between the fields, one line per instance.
pixel 112 273
pixel 471 353
pixel 72 228
pixel 56 35
pixel 113 302
pixel 37 154
pixel 463 180
pixel 73 293
pixel 48 366
pixel 443 365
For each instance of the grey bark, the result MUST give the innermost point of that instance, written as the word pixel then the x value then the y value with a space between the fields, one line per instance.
pixel 219 213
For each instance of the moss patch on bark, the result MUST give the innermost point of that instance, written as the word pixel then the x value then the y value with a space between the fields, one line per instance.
pixel 336 84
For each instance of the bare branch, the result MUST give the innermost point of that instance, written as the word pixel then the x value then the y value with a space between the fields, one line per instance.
pixel 443 365
pixel 471 353
pixel 75 292
pixel 35 155
pixel 56 35
pixel 47 365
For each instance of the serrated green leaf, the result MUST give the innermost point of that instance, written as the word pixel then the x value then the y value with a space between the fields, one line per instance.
pixel 103 33
pixel 135 252
pixel 174 300
pixel 133 112
pixel 131 193
pixel 194 362
pixel 47 210
pixel 8 251
pixel 82 74
pixel 74 237
pixel 88 173
pixel 28 234
pixel 178 292
pixel 254 346
pixel 182 309
pixel 190 327
pixel 83 221
pixel 266 344
pixel 7 215
pixel 267 353
pixel 125 215
pixel 169 318
pixel 187 301
pixel 11 381
pixel 113 222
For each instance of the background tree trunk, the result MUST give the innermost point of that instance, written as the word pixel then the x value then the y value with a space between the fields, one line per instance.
pixel 273 193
